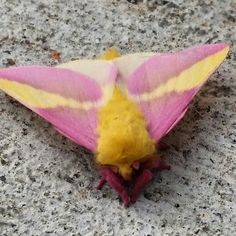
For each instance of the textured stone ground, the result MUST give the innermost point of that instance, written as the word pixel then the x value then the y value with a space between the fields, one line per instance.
pixel 47 182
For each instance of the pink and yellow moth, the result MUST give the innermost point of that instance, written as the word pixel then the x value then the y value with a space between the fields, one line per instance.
pixel 119 107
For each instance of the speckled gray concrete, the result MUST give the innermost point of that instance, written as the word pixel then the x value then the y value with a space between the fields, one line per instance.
pixel 47 182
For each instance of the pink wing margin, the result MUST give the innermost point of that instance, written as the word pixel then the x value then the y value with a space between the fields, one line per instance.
pixel 75 113
pixel 164 85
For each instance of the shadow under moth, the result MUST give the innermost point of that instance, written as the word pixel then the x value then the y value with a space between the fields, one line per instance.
pixel 119 107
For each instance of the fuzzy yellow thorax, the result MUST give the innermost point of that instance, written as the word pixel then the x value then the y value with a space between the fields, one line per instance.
pixel 123 137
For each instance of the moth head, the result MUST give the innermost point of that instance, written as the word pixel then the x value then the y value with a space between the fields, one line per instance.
pixel 125 165
pixel 127 170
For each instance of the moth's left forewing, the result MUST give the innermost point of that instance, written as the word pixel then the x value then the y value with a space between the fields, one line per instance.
pixel 163 85
pixel 67 98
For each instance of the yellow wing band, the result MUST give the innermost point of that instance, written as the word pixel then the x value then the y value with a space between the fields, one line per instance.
pixel 41 99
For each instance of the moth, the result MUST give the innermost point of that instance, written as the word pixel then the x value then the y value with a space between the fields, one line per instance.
pixel 119 107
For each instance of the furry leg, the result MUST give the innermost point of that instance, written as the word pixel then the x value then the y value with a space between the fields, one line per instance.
pixel 143 179
pixel 115 182
pixel 146 176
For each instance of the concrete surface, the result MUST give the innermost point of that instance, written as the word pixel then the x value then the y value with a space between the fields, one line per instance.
pixel 47 182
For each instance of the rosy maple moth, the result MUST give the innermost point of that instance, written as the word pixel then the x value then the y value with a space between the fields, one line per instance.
pixel 119 107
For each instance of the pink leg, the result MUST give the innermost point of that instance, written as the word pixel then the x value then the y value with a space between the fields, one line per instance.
pixel 143 179
pixel 156 164
pixel 115 182
pixel 146 176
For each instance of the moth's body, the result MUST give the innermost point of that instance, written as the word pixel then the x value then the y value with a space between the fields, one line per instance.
pixel 123 136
